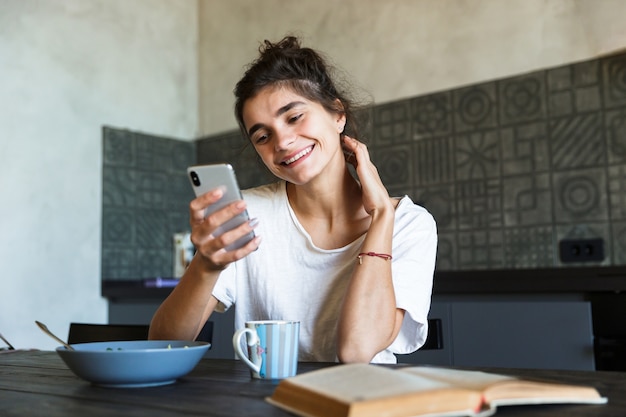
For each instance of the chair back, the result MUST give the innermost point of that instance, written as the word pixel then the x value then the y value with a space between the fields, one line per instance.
pixel 434 339
pixel 206 334
pixel 89 332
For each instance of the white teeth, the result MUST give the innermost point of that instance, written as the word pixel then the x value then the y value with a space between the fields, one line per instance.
pixel 298 156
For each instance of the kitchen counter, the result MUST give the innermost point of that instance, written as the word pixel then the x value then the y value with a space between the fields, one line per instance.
pixel 547 280
pixel 516 281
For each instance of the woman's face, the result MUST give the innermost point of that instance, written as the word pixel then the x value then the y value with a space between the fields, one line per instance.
pixel 296 138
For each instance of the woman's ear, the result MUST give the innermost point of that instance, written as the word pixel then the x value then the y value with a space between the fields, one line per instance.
pixel 341 124
pixel 341 116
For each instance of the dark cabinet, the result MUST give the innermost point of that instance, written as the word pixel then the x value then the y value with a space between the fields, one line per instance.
pixel 512 333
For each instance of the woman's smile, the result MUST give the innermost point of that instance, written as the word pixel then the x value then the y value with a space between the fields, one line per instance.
pixel 298 157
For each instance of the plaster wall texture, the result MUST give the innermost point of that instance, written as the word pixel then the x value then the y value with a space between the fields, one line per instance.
pixel 403 48
pixel 67 68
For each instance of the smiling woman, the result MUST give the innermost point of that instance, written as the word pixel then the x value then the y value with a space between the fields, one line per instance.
pixel 332 251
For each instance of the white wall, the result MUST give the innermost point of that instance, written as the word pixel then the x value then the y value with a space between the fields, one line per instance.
pixel 67 67
pixel 403 48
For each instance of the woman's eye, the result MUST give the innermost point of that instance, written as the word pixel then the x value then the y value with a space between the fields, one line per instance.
pixel 295 118
pixel 260 139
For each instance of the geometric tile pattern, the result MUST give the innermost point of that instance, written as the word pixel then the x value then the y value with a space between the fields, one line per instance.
pixel 507 168
pixel 529 247
pixel 619 242
pixel 615 122
pixel 527 200
pixel 511 166
pixel 617 192
pixel 580 196
pixel 477 155
pixel 577 141
pixel 478 204
pixel 480 249
pixel 145 194
pixel 433 160
pixel 614 81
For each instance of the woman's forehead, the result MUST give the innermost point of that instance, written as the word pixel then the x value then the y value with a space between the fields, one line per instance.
pixel 277 91
pixel 271 99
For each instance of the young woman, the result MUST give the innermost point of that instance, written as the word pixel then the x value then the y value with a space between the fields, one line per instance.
pixel 353 265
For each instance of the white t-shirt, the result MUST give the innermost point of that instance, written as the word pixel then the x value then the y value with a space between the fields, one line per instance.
pixel 289 278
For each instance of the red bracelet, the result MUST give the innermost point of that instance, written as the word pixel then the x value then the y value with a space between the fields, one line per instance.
pixel 385 256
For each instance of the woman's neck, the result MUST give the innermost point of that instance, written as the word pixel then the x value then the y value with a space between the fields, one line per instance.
pixel 330 209
pixel 328 196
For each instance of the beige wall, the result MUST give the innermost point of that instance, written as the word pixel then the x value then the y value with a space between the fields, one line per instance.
pixel 67 67
pixel 402 48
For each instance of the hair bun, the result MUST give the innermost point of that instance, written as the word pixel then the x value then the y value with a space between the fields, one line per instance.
pixel 288 42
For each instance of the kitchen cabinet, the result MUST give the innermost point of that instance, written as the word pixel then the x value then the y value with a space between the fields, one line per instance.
pixel 519 333
pixel 508 332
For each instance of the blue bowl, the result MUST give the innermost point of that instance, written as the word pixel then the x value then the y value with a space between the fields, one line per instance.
pixel 133 364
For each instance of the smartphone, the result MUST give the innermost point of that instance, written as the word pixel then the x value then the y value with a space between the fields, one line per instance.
pixel 205 178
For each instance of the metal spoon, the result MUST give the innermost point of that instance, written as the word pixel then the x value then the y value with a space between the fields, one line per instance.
pixel 52 335
pixel 7 342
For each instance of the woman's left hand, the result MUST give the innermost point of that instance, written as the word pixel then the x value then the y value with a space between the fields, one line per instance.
pixel 375 195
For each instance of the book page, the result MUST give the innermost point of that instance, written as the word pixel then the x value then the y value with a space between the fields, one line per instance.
pixel 529 392
pixel 506 390
pixel 475 380
pixel 359 382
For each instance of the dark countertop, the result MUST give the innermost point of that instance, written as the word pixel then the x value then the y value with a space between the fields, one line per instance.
pixel 516 281
pixel 547 280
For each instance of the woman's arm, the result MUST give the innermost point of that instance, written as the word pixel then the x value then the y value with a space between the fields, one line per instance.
pixel 184 312
pixel 370 320
pixel 189 305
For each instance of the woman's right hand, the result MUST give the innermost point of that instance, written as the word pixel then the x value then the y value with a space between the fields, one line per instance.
pixel 375 195
pixel 209 248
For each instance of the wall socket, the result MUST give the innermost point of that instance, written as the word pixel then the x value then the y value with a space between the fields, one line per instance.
pixel 581 250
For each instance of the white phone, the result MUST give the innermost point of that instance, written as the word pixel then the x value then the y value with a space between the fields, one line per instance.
pixel 205 178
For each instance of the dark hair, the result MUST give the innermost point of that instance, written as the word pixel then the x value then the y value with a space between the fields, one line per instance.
pixel 303 70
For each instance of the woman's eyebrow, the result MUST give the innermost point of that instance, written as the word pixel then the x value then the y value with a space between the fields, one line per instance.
pixel 282 110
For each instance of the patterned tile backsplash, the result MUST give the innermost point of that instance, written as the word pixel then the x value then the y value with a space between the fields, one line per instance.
pixel 145 195
pixel 508 168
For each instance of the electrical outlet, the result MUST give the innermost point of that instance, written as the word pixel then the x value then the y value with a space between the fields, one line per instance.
pixel 581 250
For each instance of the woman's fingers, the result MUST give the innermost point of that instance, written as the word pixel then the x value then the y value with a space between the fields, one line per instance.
pixel 198 206
pixel 204 227
pixel 365 168
pixel 216 257
pixel 374 192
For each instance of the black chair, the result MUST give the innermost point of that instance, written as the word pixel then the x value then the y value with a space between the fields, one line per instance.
pixel 434 339
pixel 206 334
pixel 88 332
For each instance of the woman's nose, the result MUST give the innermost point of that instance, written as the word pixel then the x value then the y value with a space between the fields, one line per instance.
pixel 284 138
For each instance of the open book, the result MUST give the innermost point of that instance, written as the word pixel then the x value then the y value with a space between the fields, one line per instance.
pixel 364 390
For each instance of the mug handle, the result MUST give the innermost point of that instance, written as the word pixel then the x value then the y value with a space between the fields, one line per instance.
pixel 254 339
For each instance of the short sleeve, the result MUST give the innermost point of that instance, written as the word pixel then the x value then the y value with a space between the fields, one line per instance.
pixel 225 289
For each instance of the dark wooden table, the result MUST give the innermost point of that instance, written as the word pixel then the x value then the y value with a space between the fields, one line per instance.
pixel 37 383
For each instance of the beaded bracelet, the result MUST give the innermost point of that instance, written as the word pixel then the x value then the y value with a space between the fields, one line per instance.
pixel 385 256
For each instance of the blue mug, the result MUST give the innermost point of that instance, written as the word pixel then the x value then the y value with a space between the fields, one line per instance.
pixel 272 348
